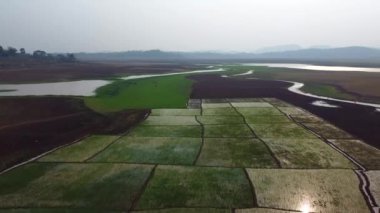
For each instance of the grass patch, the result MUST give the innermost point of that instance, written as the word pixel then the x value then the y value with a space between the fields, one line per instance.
pixel 174 186
pixel 74 185
pixel 176 112
pixel 276 102
pixel 170 120
pixel 166 131
pixel 326 90
pixel 328 131
pixel 220 119
pixel 227 131
pixel 367 155
pixel 306 153
pixel 281 130
pixel 151 150
pixel 321 190
pixel 257 119
pixel 142 93
pixel 250 104
pixel 259 111
pixel 220 111
pixel 80 151
pixel 234 152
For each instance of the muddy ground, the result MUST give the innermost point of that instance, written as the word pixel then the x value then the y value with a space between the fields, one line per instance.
pixel 360 121
pixel 31 126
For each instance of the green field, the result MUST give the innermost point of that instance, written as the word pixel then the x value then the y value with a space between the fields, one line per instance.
pixel 311 190
pixel 174 186
pixel 327 90
pixel 210 159
pixel 158 92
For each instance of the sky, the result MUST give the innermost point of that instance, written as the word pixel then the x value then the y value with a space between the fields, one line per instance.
pixel 186 25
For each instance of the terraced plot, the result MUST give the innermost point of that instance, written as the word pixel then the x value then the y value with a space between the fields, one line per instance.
pixel 219 155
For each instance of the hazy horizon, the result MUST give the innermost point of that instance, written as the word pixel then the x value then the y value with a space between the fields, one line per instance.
pixel 187 25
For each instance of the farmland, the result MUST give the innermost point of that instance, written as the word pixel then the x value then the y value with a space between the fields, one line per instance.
pixel 234 158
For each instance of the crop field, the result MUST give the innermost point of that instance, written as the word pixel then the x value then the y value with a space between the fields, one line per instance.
pixel 216 155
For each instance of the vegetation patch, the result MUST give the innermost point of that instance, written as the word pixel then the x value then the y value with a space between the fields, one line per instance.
pixel 55 210
pixel 73 185
pixel 215 105
pixel 80 151
pixel 251 104
pixel 276 102
pixel 327 90
pixel 227 131
pixel 306 153
pixel 166 131
pixel 151 150
pixel 220 111
pixel 258 119
pixel 245 100
pixel 215 100
pixel 220 119
pixel 365 154
pixel 170 120
pixel 260 111
pixel 328 131
pixel 281 130
pixel 142 94
pixel 176 112
pixel 174 186
pixel 314 190
pixel 234 152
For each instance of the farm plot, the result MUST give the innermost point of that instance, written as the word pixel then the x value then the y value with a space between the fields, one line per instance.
pixel 306 153
pixel 151 150
pixel 220 119
pixel 166 131
pixel 308 190
pixel 176 112
pixel 367 155
pixel 174 186
pixel 227 131
pixel 235 152
pixel 170 120
pixel 219 155
pixel 259 111
pixel 81 151
pixel 374 177
pixel 78 185
pixel 281 130
pixel 328 131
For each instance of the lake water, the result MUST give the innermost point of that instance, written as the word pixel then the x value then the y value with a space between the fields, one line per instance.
pixel 75 88
pixel 315 67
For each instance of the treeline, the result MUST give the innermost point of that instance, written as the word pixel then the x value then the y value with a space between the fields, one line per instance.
pixel 12 52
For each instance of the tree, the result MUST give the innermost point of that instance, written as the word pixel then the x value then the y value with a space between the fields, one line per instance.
pixel 11 51
pixel 1 51
pixel 39 54
pixel 71 57
pixel 22 51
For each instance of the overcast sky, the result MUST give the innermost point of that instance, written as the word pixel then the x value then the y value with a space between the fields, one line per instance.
pixel 240 25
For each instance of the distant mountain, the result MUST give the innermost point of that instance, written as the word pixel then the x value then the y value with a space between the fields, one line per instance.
pixel 352 54
pixel 280 48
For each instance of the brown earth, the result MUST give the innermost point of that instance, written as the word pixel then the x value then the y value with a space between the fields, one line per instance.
pixel 31 126
pixel 360 121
